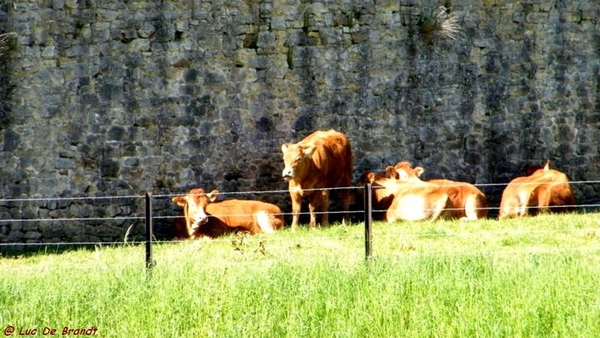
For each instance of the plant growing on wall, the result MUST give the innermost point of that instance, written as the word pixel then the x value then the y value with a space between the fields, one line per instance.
pixel 439 23
pixel 4 39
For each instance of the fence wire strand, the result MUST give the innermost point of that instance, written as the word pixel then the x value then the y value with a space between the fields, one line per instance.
pixel 259 192
pixel 137 218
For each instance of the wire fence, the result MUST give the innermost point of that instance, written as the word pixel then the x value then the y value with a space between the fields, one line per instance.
pixel 137 216
pixel 140 216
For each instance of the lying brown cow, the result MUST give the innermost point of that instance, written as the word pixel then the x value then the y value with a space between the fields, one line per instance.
pixel 544 190
pixel 409 201
pixel 381 198
pixel 205 217
pixel 469 202
pixel 321 160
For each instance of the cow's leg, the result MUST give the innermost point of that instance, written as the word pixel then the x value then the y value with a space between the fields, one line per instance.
pixel 523 203
pixel 314 206
pixel 313 210
pixel 543 202
pixel 443 209
pixel 471 206
pixel 345 197
pixel 325 208
pixel 296 205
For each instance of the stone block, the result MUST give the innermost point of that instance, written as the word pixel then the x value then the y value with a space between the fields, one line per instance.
pixel 536 17
pixel 65 163
pixel 278 23
pixel 32 235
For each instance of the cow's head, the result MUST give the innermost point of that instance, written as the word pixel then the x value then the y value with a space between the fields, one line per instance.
pixel 406 172
pixel 293 157
pixel 194 206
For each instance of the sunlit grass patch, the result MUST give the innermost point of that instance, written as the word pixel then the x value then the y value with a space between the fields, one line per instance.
pixel 489 278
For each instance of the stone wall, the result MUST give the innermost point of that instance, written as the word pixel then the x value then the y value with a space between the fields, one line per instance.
pixel 120 97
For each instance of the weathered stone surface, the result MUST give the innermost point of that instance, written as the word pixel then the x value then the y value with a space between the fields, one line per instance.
pixel 118 98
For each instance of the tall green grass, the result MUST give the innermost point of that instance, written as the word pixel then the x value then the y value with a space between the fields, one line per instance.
pixel 534 277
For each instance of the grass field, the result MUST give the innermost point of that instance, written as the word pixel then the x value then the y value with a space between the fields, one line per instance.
pixel 535 277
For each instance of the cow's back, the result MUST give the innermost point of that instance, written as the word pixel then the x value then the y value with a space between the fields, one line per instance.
pixel 332 160
pixel 420 202
pixel 273 215
pixel 469 201
pixel 553 193
pixel 241 215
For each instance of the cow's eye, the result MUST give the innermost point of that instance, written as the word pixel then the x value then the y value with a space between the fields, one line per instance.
pixel 298 158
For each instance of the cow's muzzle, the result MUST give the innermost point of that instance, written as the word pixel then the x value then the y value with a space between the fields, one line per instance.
pixel 287 174
pixel 198 222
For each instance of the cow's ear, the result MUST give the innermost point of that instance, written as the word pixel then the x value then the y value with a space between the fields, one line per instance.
pixel 284 147
pixel 179 200
pixel 308 151
pixel 419 171
pixel 391 172
pixel 371 177
pixel 212 196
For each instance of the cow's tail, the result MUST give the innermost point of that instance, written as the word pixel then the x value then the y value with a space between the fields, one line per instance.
pixel 264 222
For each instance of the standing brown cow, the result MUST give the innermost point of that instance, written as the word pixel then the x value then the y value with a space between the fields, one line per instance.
pixel 322 160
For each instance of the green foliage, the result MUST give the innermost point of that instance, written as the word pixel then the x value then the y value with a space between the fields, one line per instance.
pixel 533 277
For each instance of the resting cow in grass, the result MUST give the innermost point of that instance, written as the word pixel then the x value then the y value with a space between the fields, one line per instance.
pixel 382 198
pixel 409 201
pixel 322 160
pixel 469 202
pixel 544 190
pixel 207 217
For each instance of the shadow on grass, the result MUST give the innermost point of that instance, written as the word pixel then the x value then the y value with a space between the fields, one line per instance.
pixel 21 250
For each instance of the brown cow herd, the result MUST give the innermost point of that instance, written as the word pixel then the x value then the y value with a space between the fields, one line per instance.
pixel 323 161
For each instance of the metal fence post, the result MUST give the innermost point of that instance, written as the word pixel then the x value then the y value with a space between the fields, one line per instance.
pixel 368 220
pixel 149 261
